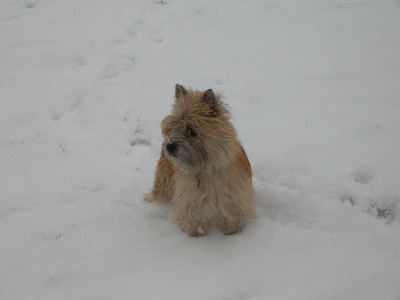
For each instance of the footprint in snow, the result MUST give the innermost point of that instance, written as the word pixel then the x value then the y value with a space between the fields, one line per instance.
pixel 135 28
pixel 156 35
pixel 362 176
pixel 79 59
pixel 116 67
pixel 74 102
pixel 65 58
pixel 138 140
pixel 29 4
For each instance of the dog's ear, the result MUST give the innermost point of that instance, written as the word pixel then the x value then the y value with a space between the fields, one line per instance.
pixel 211 100
pixel 180 90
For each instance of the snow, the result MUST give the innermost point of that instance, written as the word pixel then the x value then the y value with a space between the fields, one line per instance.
pixel 314 90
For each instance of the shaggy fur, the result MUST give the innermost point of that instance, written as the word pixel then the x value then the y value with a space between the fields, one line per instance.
pixel 203 169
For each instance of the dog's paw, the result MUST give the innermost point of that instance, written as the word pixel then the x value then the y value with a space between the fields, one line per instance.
pixel 231 228
pixel 230 231
pixel 197 232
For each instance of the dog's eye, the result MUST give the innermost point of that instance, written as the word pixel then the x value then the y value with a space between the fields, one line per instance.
pixel 190 132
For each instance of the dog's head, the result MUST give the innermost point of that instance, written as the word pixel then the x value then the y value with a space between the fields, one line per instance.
pixel 198 130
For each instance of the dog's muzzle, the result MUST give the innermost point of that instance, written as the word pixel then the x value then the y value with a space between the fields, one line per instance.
pixel 172 148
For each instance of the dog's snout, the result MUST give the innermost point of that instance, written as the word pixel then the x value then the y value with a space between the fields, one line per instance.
pixel 172 147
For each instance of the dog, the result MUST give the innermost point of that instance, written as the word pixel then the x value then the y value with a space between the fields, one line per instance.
pixel 203 168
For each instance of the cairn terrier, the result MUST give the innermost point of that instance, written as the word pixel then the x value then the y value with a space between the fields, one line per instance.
pixel 203 169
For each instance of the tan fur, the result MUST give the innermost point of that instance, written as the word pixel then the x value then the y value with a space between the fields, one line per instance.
pixel 203 169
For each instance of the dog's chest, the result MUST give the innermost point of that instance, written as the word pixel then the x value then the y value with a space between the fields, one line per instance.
pixel 201 187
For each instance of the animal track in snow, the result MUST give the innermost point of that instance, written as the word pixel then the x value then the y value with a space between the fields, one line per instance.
pixel 137 139
pixel 60 113
pixel 29 4
pixel 136 28
pixel 75 100
pixel 116 40
pixel 156 35
pixel 362 176
pixel 65 58
pixel 142 30
pixel 116 67
pixel 383 208
pixel 79 59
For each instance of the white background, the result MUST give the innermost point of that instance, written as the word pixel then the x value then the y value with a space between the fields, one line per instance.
pixel 314 89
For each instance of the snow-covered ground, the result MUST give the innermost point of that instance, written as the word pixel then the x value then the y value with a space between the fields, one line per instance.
pixel 314 88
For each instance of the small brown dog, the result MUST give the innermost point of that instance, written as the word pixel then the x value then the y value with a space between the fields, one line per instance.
pixel 203 169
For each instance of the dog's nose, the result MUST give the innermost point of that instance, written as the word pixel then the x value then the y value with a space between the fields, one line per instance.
pixel 172 148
